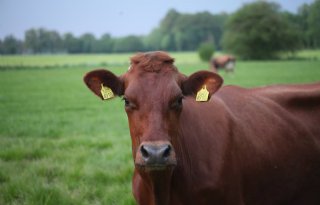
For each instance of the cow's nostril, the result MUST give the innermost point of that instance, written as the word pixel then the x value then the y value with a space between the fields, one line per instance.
pixel 144 152
pixel 166 152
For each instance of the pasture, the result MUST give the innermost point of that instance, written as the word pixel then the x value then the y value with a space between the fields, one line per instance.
pixel 59 144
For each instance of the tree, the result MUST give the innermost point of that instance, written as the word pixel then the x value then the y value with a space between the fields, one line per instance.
pixel 179 31
pixel 54 42
pixel 1 47
pixel 105 44
pixel 259 31
pixel 153 40
pixel 168 42
pixel 43 41
pixel 87 41
pixel 11 45
pixel 32 41
pixel 71 44
pixel 127 44
pixel 314 24
pixel 169 21
pixel 297 24
pixel 163 37
pixel 302 20
pixel 193 29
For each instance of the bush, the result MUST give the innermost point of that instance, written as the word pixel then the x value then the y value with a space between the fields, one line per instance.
pixel 259 31
pixel 206 51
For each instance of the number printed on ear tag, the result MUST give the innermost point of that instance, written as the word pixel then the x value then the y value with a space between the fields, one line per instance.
pixel 106 92
pixel 202 94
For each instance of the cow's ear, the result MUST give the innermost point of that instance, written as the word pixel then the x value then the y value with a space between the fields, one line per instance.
pixel 206 81
pixel 104 83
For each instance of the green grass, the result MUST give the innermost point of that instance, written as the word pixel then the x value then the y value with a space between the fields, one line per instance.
pixel 309 54
pixel 116 60
pixel 59 144
pixel 64 60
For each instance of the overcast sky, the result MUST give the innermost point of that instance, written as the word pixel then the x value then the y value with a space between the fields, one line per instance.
pixel 116 17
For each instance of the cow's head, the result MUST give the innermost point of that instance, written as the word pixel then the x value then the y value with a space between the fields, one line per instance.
pixel 153 93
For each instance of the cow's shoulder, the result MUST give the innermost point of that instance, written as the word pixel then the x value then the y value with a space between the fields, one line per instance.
pixel 300 103
pixel 292 96
pixel 285 95
pixel 234 96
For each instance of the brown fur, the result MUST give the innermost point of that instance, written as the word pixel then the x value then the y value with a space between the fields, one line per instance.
pixel 152 61
pixel 256 146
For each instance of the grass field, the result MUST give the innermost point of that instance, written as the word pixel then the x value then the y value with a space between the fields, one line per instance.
pixel 114 60
pixel 40 61
pixel 59 144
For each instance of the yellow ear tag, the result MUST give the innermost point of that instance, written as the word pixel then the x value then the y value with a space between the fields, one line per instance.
pixel 106 92
pixel 202 94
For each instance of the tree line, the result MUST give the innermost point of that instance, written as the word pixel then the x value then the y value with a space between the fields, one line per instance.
pixel 176 32
pixel 256 25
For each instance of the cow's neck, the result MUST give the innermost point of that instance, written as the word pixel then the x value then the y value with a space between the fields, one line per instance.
pixel 203 133
pixel 159 183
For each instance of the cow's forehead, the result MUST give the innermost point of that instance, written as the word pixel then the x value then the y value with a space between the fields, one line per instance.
pixel 151 72
pixel 157 61
pixel 146 85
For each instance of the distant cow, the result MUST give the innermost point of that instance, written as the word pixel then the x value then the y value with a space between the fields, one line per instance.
pixel 225 62
pixel 239 146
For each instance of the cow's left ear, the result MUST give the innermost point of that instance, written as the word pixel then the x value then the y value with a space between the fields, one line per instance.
pixel 201 80
pixel 104 83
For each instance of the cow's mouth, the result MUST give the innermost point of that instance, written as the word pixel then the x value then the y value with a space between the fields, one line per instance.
pixel 155 167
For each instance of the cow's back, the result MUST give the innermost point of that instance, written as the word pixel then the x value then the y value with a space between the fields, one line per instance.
pixel 301 101
pixel 278 142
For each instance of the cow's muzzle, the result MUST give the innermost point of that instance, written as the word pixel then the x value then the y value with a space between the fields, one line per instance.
pixel 155 156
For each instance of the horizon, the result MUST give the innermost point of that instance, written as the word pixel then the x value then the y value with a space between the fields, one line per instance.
pixel 120 19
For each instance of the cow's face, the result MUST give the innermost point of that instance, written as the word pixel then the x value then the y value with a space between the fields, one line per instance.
pixel 153 92
pixel 153 102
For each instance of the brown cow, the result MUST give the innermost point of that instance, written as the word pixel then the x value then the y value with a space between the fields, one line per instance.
pixel 226 62
pixel 257 146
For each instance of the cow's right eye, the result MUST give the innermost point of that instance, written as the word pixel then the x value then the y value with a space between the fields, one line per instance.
pixel 129 105
pixel 177 104
pixel 126 102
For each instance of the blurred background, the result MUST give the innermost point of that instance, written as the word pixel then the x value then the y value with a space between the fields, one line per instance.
pixel 59 144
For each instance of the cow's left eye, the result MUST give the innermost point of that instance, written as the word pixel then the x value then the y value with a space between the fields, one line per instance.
pixel 177 104
pixel 129 105
pixel 126 102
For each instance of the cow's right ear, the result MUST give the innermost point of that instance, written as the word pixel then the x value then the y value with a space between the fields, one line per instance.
pixel 102 82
